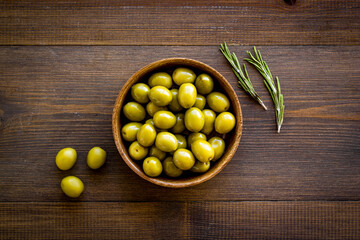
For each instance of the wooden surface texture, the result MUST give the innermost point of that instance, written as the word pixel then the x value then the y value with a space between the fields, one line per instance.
pixel 63 63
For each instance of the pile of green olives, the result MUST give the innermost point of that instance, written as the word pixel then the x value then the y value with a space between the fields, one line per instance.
pixel 176 123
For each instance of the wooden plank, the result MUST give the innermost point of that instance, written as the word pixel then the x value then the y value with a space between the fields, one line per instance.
pixel 54 97
pixel 180 220
pixel 204 22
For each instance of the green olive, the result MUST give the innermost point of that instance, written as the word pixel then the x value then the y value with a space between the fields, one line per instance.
pixel 200 167
pixel 152 166
pixel 146 135
pixel 139 92
pixel 218 144
pixel 130 130
pixel 195 136
pixel 179 126
pixel 174 105
pixel 150 121
pixel 194 119
pixel 160 96
pixel 224 122
pixel 181 141
pixel 204 84
pixel 96 158
pixel 202 150
pixel 66 158
pixel 151 108
pixel 170 169
pixel 137 152
pixel 164 119
pixel 200 102
pixel 166 142
pixel 183 159
pixel 187 95
pixel 160 79
pixel 209 117
pixel 183 75
pixel 134 111
pixel 72 186
pixel 155 152
pixel 218 102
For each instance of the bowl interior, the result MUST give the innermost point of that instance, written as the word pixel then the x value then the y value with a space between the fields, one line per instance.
pixel 232 139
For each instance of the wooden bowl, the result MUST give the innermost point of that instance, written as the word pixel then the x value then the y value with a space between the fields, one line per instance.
pixel 232 139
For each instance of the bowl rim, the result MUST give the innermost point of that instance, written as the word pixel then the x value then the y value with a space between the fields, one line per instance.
pixel 181 62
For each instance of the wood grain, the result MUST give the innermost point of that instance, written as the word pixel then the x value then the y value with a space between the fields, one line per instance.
pixel 180 220
pixel 140 22
pixel 54 97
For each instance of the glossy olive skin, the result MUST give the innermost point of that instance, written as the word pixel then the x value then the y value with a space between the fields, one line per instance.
pixel 134 111
pixel 195 136
pixel 150 121
pixel 204 84
pixel 209 117
pixel 174 105
pixel 146 135
pixel 200 167
pixel 164 119
pixel 218 102
pixel 72 186
pixel 151 108
pixel 224 122
pixel 66 158
pixel 183 75
pixel 129 131
pixel 160 96
pixel 183 159
pixel 179 126
pixel 170 169
pixel 187 95
pixel 200 102
pixel 218 144
pixel 152 166
pixel 96 157
pixel 181 141
pixel 155 152
pixel 194 119
pixel 137 152
pixel 202 150
pixel 160 79
pixel 139 92
pixel 166 142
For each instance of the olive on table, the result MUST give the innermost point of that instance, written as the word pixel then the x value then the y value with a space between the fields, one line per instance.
pixel 204 84
pixel 195 136
pixel 183 159
pixel 174 104
pixel 139 92
pixel 187 95
pixel 72 186
pixel 209 118
pixel 66 158
pixel 224 122
pixel 130 130
pixel 96 157
pixel 160 96
pixel 134 111
pixel 160 79
pixel 146 135
pixel 218 144
pixel 155 152
pixel 152 166
pixel 194 119
pixel 164 119
pixel 179 126
pixel 170 169
pixel 183 75
pixel 166 142
pixel 181 141
pixel 200 102
pixel 137 152
pixel 218 102
pixel 151 108
pixel 202 150
pixel 200 167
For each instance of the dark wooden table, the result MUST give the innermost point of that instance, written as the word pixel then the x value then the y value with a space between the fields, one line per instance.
pixel 63 63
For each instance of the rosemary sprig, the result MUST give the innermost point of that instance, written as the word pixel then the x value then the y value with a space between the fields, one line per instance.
pixel 274 91
pixel 243 79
